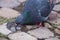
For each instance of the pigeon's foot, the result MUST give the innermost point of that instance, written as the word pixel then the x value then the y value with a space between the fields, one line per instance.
pixel 41 24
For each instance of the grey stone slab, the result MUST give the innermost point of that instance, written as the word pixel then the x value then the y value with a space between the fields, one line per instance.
pixel 57 7
pixel 57 31
pixel 57 1
pixel 41 33
pixel 52 39
pixel 31 26
pixel 4 30
pixel 21 36
pixel 3 39
pixel 54 17
pixel 8 13
pixel 9 3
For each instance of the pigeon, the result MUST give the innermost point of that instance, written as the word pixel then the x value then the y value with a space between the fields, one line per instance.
pixel 35 12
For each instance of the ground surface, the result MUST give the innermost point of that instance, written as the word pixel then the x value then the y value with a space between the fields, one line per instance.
pixel 7 14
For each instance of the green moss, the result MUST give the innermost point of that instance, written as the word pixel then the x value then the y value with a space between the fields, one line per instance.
pixel 4 36
pixel 4 20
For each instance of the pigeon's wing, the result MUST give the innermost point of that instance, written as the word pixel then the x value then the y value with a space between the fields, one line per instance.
pixel 45 8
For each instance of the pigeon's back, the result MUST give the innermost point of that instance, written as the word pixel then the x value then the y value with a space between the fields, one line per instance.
pixel 40 8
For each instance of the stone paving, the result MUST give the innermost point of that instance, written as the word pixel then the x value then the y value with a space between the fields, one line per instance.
pixel 3 39
pixel 8 13
pixel 21 36
pixel 57 1
pixel 52 39
pixel 41 33
pixel 4 30
pixel 57 7
pixel 10 3
pixel 54 17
